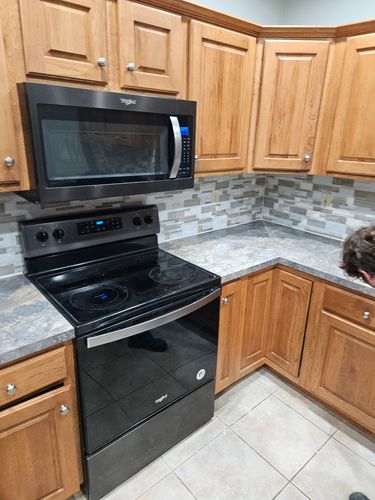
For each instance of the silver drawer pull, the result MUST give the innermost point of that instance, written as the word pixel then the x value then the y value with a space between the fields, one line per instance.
pixel 9 161
pixel 225 300
pixel 64 410
pixel 307 158
pixel 131 66
pixel 102 62
pixel 366 315
pixel 11 389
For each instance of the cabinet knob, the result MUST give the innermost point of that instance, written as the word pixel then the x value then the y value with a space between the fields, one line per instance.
pixel 102 62
pixel 307 158
pixel 365 315
pixel 131 66
pixel 64 410
pixel 196 157
pixel 9 161
pixel 11 389
pixel 225 300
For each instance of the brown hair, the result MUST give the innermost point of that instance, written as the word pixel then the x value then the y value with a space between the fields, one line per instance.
pixel 359 252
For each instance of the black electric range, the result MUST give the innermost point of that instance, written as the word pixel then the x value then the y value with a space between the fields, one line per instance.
pixel 146 326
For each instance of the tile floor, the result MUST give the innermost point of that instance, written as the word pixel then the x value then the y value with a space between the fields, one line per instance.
pixel 266 441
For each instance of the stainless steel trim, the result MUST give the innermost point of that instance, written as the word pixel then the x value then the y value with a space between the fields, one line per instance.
pixel 107 338
pixel 177 146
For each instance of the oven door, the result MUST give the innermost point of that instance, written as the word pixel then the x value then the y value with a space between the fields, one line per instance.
pixel 132 371
pixel 90 144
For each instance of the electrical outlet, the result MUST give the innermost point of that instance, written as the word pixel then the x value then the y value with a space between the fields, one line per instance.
pixel 326 200
pixel 215 196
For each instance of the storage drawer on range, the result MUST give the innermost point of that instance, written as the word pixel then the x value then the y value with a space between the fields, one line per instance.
pixel 27 377
pixel 349 305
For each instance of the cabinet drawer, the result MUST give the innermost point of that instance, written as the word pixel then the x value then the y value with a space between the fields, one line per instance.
pixel 24 378
pixel 350 306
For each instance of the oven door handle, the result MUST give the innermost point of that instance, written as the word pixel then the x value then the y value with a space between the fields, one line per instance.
pixel 177 146
pixel 107 338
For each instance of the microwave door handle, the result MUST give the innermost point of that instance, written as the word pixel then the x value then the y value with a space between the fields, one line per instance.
pixel 124 333
pixel 177 146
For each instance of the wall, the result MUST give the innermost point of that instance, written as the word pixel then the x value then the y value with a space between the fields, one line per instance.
pixel 297 201
pixel 237 200
pixel 327 12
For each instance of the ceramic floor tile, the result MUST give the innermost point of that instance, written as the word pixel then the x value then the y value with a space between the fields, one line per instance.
pixel 169 488
pixel 193 443
pixel 334 473
pixel 357 442
pixel 141 482
pixel 282 436
pixel 227 469
pixel 291 493
pixel 266 379
pixel 238 401
pixel 318 415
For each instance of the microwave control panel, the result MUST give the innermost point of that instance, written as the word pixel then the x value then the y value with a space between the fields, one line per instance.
pixel 185 169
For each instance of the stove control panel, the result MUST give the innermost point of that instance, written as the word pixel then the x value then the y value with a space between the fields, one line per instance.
pixel 49 236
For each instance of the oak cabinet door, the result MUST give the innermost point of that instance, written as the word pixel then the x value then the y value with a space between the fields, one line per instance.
pixel 9 171
pixel 65 39
pixel 352 149
pixel 290 97
pixel 151 48
pixel 221 65
pixel 290 305
pixel 253 335
pixel 38 452
pixel 230 326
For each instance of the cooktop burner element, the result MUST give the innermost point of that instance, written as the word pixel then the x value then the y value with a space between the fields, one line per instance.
pixel 173 275
pixel 99 297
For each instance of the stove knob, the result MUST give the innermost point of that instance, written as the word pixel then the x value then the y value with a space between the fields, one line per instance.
pixel 148 219
pixel 42 236
pixel 137 221
pixel 58 234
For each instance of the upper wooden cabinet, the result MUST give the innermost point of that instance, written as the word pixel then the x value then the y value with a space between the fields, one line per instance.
pixel 152 55
pixel 65 39
pixel 290 305
pixel 292 80
pixel 9 171
pixel 352 149
pixel 221 64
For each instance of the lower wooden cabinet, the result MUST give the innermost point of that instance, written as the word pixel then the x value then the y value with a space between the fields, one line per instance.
pixel 339 360
pixel 39 440
pixel 290 305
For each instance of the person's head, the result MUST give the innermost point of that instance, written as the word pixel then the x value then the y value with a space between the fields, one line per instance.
pixel 358 257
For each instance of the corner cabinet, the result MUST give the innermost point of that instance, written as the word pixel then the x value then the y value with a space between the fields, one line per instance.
pixel 39 437
pixel 221 66
pixel 352 149
pixel 152 48
pixel 292 80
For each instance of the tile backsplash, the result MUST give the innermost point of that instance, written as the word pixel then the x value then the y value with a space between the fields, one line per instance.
pixel 324 205
pixel 214 203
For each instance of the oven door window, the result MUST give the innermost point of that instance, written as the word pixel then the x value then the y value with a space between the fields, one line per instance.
pixel 93 146
pixel 127 381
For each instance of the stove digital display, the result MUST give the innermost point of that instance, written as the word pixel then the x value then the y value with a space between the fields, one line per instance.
pixel 99 225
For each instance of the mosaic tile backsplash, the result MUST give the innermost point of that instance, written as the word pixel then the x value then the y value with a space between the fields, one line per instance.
pixel 324 205
pixel 214 203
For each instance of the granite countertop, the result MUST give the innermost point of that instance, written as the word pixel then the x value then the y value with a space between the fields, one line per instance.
pixel 240 250
pixel 29 322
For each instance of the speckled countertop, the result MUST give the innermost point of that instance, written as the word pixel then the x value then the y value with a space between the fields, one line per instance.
pixel 240 250
pixel 29 323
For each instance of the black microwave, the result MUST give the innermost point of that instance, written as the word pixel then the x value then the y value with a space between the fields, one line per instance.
pixel 91 144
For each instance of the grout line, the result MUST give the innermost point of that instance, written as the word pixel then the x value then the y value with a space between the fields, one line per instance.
pixel 350 449
pixel 186 486
pixel 245 414
pixel 309 460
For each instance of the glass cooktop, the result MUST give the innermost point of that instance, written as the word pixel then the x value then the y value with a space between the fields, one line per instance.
pixel 103 290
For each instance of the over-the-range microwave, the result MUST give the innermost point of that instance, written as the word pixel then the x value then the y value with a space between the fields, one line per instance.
pixel 91 144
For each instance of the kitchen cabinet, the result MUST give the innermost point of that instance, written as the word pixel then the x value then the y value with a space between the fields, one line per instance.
pixel 352 149
pixel 230 326
pixel 65 40
pixel 221 64
pixel 293 75
pixel 253 334
pixel 339 359
pixel 152 49
pixel 290 305
pixel 39 437
pixel 9 169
